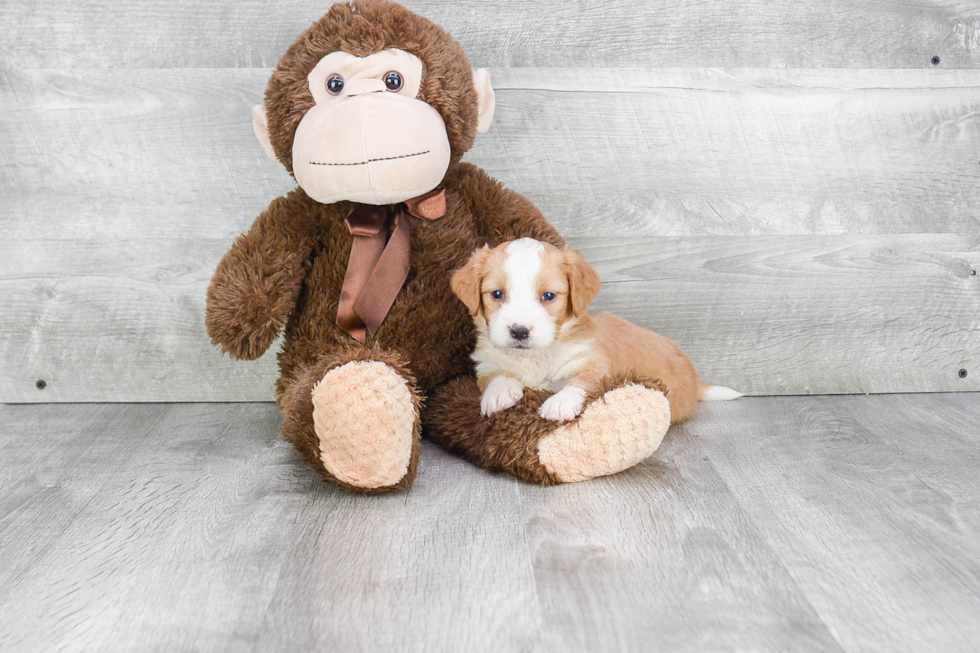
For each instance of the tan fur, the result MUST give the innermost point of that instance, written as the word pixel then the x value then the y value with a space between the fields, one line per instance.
pixel 614 346
pixel 583 280
pixel 632 348
pixel 467 283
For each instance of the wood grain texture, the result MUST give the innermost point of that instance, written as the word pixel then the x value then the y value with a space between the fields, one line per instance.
pixel 764 33
pixel 166 530
pixel 40 475
pixel 864 504
pixel 687 564
pixel 123 321
pixel 428 566
pixel 805 314
pixel 160 153
pixel 765 524
pixel 801 231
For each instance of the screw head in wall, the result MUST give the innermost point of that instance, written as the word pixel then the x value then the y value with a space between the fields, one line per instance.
pixel 936 60
pixel 962 374
pixel 41 384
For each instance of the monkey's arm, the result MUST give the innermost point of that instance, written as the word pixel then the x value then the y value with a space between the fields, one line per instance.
pixel 501 213
pixel 257 282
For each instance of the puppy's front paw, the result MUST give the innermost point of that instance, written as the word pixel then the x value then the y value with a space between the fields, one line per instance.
pixel 564 405
pixel 502 393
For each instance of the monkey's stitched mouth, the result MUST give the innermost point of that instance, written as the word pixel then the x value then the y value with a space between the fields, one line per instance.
pixel 361 163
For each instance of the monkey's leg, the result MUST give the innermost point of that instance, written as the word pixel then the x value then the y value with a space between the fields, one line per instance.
pixel 353 416
pixel 622 424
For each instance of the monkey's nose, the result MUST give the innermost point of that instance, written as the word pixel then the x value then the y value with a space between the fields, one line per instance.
pixel 364 86
pixel 519 332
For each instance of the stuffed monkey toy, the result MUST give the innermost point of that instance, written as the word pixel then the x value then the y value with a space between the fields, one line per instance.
pixel 371 111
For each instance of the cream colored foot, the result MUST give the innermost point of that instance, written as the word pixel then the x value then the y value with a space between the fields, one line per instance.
pixel 364 418
pixel 615 432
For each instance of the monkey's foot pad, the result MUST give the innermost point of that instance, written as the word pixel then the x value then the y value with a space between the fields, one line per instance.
pixel 364 419
pixel 616 431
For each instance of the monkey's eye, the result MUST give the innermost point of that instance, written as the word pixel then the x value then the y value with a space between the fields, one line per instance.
pixel 497 294
pixel 335 85
pixel 393 80
pixel 548 297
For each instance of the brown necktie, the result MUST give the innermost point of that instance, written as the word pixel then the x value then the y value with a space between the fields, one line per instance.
pixel 378 265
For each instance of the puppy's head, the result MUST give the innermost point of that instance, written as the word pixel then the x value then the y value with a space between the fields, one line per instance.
pixel 523 292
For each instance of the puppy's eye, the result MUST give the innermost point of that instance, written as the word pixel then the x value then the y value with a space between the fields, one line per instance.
pixel 548 297
pixel 335 85
pixel 497 294
pixel 393 81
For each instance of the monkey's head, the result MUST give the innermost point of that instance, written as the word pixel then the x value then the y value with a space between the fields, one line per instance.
pixel 372 104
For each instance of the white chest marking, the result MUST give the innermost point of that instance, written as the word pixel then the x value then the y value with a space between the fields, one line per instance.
pixel 548 368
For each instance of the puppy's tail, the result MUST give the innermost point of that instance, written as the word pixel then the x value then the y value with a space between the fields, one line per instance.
pixel 716 393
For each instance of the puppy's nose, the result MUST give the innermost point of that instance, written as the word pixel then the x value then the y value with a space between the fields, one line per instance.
pixel 518 332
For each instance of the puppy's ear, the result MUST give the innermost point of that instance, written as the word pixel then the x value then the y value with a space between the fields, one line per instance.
pixel 583 282
pixel 467 281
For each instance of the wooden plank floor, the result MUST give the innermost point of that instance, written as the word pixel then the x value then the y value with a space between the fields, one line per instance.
pixel 767 524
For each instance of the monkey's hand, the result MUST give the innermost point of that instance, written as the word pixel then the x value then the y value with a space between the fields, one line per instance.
pixel 242 317
pixel 258 281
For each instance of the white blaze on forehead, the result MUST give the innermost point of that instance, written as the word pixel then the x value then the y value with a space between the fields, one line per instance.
pixel 522 265
pixel 521 305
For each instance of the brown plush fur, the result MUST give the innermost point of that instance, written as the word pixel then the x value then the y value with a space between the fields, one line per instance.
pixel 363 28
pixel 288 269
pixel 507 441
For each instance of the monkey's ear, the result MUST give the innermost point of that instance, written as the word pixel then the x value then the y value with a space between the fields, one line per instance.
pixel 487 101
pixel 260 123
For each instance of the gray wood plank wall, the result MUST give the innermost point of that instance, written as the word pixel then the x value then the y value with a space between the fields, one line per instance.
pixel 679 33
pixel 789 190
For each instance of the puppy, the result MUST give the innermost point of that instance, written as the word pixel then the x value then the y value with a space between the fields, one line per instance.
pixel 530 303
